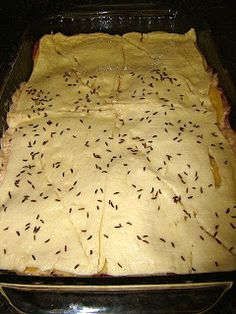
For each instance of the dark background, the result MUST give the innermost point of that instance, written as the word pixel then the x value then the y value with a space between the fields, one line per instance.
pixel 220 15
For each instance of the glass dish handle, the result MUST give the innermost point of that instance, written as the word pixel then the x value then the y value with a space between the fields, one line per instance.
pixel 166 298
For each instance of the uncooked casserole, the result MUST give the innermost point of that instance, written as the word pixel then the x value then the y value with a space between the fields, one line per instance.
pixel 118 160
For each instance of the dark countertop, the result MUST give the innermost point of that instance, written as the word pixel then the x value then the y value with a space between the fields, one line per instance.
pixel 221 16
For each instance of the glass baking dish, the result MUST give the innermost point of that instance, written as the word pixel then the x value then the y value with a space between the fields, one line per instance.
pixel 154 294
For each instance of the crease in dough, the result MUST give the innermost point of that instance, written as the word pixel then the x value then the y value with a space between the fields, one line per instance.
pixel 134 164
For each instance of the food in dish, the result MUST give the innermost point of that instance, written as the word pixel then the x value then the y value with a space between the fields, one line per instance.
pixel 118 160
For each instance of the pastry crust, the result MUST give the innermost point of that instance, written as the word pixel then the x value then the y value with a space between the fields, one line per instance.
pixel 118 160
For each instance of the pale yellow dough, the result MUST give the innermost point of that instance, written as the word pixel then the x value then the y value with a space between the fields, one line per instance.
pixel 115 162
